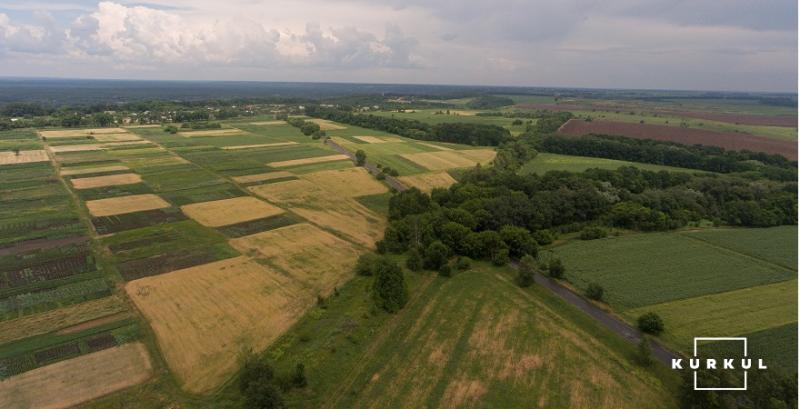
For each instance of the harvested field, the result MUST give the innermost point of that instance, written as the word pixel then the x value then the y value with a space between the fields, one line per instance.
pixel 326 125
pixel 76 148
pixel 316 259
pixel 426 182
pixel 260 177
pixel 376 139
pixel 72 133
pixel 109 180
pixel 117 137
pixel 71 382
pixel 96 169
pixel 143 126
pixel 350 182
pixel 214 132
pixel 125 204
pixel 41 323
pixel 230 211
pixel 444 160
pixel 307 161
pixel 268 123
pixel 262 145
pixel 201 340
pixel 291 192
pixel 730 140
pixel 83 326
pixel 12 158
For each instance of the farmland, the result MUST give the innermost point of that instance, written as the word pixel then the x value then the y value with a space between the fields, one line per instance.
pixel 726 282
pixel 545 162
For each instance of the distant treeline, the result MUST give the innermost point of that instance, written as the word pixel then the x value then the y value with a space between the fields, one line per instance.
pixel 464 133
pixel 706 158
pixel 489 102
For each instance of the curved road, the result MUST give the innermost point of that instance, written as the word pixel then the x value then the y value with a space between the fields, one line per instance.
pixel 619 327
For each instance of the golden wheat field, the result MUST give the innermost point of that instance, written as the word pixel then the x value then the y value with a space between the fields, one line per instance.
pixel 426 182
pixel 15 158
pixel 307 161
pixel 125 204
pixel 230 211
pixel 108 180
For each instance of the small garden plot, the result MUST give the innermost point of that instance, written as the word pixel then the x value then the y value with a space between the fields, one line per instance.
pixel 260 225
pixel 230 211
pixel 375 139
pixel 307 161
pixel 117 137
pixel 47 299
pixel 262 177
pixel 92 169
pixel 109 180
pixel 76 148
pixel 213 132
pixel 444 160
pixel 426 182
pixel 15 158
pixel 326 125
pixel 262 145
pixel 311 256
pixel 128 221
pixel 71 382
pixel 38 272
pixel 71 133
pixel 125 204
pixel 351 182
pixel 201 340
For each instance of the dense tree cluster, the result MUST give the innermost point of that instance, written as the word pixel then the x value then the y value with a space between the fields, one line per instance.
pixel 708 158
pixel 308 128
pixel 464 133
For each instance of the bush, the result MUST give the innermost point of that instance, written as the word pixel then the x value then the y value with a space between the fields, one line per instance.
pixel 555 268
pixel 365 266
pixel 500 257
pixel 644 356
pixel 389 288
pixel 299 377
pixel 445 270
pixel 463 263
pixel 650 323
pixel 594 292
pixel 361 157
pixel 526 271
pixel 593 233
pixel 414 260
pixel 543 237
pixel 256 383
pixel 436 255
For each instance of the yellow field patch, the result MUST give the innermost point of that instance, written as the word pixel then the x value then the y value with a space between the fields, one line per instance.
pixel 260 177
pixel 71 382
pixel 108 180
pixel 376 139
pixel 230 211
pixel 311 256
pixel 268 123
pixel 290 192
pixel 205 316
pixel 326 125
pixel 14 158
pixel 726 314
pixel 426 182
pixel 143 126
pixel 213 132
pixel 308 161
pixel 262 145
pixel 76 148
pixel 96 169
pixel 117 137
pixel 63 317
pixel 350 182
pixel 444 160
pixel 72 133
pixel 125 204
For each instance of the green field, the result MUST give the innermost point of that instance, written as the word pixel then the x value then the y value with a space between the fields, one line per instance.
pixel 777 346
pixel 777 245
pixel 546 162
pixel 431 116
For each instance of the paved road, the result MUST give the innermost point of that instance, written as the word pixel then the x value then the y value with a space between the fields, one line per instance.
pixel 390 180
pixel 611 322
pixel 630 334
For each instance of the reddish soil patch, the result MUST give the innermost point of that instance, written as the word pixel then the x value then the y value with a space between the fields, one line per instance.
pixel 789 121
pixel 689 136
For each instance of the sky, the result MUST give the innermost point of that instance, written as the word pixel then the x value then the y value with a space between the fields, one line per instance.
pixel 746 45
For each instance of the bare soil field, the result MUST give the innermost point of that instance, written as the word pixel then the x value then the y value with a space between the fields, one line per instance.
pixel 109 180
pixel 444 160
pixel 214 132
pixel 351 182
pixel 316 259
pixel 326 125
pixel 308 161
pixel 206 316
pixel 734 141
pixel 96 169
pixel 71 133
pixel 426 182
pixel 230 211
pixel 13 158
pixel 261 177
pixel 262 145
pixel 71 382
pixel 125 204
